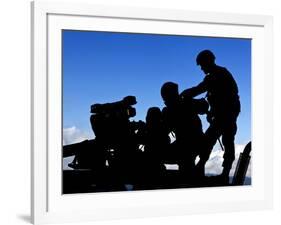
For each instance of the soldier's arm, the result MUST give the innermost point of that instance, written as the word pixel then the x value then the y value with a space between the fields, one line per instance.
pixel 197 90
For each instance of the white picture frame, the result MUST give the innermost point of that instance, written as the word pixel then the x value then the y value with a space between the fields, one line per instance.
pixel 48 205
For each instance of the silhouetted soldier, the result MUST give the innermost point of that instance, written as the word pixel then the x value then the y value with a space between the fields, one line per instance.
pixel 155 138
pixel 181 116
pixel 222 95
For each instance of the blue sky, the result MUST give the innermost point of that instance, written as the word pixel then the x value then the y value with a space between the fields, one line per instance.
pixel 100 67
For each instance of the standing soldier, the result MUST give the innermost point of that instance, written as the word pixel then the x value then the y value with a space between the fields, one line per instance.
pixel 223 98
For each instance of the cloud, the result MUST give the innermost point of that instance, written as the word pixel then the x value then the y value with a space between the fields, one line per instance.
pixel 214 164
pixel 73 135
pixel 66 161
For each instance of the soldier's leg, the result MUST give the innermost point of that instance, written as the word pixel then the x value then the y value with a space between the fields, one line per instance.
pixel 208 142
pixel 228 137
pixel 210 138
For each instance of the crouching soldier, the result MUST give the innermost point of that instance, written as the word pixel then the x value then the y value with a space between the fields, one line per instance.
pixel 181 117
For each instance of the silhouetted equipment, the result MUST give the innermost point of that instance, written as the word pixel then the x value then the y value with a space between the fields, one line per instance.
pixel 242 166
pixel 110 122
pixel 88 155
pixel 115 134
pixel 222 148
pixel 114 153
pixel 121 108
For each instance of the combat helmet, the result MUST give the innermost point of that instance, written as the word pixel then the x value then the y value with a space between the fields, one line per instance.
pixel 205 56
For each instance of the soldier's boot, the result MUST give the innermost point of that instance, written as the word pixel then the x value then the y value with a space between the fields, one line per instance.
pixel 223 178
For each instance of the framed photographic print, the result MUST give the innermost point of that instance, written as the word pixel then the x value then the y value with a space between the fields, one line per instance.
pixel 148 112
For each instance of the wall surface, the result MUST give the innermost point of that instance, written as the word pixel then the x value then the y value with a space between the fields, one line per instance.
pixel 15 109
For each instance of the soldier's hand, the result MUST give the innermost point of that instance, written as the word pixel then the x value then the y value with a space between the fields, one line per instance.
pixel 186 94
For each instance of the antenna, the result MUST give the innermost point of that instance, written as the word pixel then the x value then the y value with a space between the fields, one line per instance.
pixel 242 166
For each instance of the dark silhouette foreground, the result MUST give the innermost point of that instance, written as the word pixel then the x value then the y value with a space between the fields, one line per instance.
pixel 129 155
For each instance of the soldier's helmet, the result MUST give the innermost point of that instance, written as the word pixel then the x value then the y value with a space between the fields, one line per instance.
pixel 153 115
pixel 205 57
